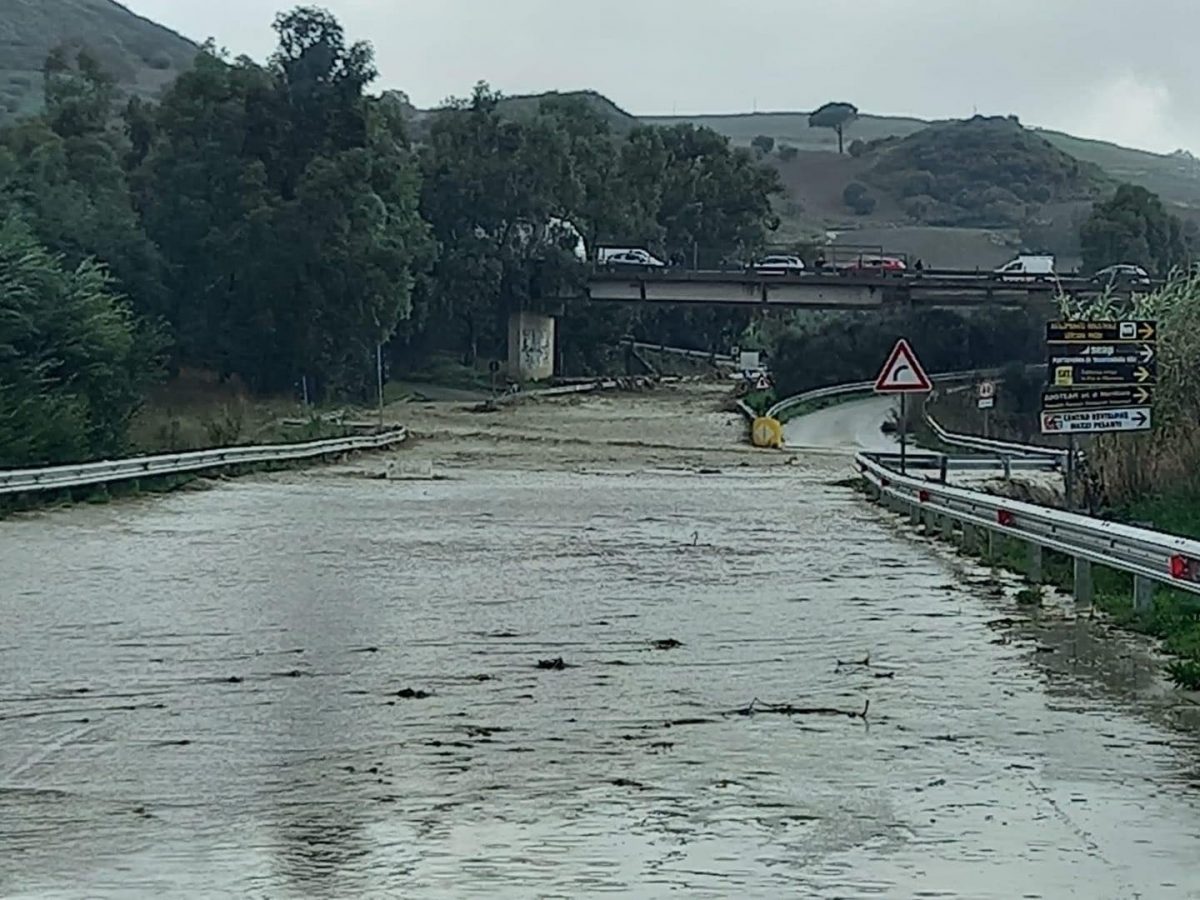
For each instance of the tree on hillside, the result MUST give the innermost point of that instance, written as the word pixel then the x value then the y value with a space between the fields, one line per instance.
pixel 64 176
pixel 1134 227
pixel 763 144
pixel 834 115
pixel 72 362
pixel 287 204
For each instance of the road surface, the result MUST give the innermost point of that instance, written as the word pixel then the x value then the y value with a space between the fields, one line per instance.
pixel 322 684
pixel 850 426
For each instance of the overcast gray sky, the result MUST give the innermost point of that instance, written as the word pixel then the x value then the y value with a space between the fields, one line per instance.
pixel 1121 70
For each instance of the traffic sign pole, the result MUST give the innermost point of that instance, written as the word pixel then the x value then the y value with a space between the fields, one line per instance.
pixel 903 433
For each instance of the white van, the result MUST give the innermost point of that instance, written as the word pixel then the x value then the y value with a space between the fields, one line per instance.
pixel 1027 266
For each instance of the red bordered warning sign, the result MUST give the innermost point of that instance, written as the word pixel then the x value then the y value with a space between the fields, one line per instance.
pixel 902 373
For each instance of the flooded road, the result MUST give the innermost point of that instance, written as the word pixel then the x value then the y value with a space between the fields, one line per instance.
pixel 317 685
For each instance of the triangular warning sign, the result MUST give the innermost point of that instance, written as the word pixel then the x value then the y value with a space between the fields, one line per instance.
pixel 763 384
pixel 902 374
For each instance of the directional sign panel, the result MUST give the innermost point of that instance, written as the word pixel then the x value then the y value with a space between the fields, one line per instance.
pixel 1094 373
pixel 1057 400
pixel 1101 332
pixel 1096 420
pixel 1098 353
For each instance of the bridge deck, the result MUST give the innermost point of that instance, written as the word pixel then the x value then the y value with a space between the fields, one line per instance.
pixel 826 290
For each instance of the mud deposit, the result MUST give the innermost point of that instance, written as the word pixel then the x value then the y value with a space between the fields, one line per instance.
pixel 334 687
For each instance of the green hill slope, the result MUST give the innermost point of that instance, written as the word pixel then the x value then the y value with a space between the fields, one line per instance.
pixel 143 56
pixel 1175 177
pixel 981 172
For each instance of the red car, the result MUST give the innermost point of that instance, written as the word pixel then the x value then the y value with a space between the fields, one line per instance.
pixel 876 265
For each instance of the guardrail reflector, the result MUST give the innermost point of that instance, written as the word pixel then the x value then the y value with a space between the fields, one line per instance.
pixel 923 496
pixel 1185 568
pixel 1004 517
pixel 883 482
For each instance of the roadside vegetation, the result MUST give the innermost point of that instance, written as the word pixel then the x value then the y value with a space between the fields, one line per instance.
pixel 823 349
pixel 272 224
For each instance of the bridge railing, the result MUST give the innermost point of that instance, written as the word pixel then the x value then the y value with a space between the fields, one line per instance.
pixel 51 478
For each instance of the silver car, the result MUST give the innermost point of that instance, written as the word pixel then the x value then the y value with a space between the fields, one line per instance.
pixel 779 265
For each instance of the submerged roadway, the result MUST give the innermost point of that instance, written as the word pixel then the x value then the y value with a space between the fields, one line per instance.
pixel 324 684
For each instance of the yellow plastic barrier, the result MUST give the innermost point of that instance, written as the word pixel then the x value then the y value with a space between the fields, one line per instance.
pixel 767 432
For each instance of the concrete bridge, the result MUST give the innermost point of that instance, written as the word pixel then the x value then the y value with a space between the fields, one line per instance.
pixel 532 333
pixel 819 290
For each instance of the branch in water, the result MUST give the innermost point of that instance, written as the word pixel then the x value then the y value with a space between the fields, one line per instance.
pixel 786 709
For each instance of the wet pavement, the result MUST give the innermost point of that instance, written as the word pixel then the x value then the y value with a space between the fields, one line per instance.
pixel 319 686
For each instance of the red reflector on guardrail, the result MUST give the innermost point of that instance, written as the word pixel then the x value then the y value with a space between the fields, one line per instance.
pixel 923 496
pixel 1184 568
pixel 883 482
pixel 1004 517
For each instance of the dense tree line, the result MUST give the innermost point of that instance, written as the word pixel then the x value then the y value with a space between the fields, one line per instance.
pixel 1134 227
pixel 844 347
pixel 275 223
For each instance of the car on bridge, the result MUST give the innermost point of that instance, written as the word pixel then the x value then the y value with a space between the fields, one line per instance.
pixel 778 265
pixel 1122 275
pixel 631 259
pixel 876 265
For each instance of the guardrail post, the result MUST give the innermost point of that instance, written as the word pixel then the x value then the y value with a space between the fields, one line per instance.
pixel 1007 460
pixel 1083 581
pixel 1143 593
pixel 947 528
pixel 1035 563
pixel 970 537
pixel 914 514
pixel 943 468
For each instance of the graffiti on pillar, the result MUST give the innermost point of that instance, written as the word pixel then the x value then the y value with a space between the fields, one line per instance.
pixel 536 352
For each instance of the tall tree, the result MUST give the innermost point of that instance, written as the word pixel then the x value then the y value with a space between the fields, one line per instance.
pixel 287 203
pixel 835 115
pixel 72 362
pixel 1134 227
pixel 66 179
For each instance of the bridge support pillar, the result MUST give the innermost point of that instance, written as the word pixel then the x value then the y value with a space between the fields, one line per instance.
pixel 530 346
pixel 1143 593
pixel 1083 581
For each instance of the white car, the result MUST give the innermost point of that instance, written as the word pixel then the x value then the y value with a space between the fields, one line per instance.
pixel 638 258
pixel 779 265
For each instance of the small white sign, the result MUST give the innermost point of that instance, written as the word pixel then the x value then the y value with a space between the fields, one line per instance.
pixel 748 360
pixel 1096 420
pixel 987 389
pixel 987 402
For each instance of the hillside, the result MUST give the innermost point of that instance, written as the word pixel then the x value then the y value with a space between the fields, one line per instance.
pixel 144 57
pixel 1175 177
pixel 982 172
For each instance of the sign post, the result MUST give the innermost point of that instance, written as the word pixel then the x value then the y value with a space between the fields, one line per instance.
pixel 1101 378
pixel 902 374
pixel 987 399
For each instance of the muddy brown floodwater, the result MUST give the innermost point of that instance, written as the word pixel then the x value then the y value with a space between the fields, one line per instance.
pixel 321 685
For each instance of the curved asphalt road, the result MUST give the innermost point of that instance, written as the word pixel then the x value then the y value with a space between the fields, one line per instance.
pixel 852 426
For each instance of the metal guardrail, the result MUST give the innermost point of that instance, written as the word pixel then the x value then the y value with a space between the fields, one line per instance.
pixel 714 358
pixel 943 463
pixel 1150 556
pixel 859 387
pixel 988 445
pixel 50 478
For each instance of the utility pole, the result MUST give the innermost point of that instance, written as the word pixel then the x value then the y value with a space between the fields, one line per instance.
pixel 379 379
